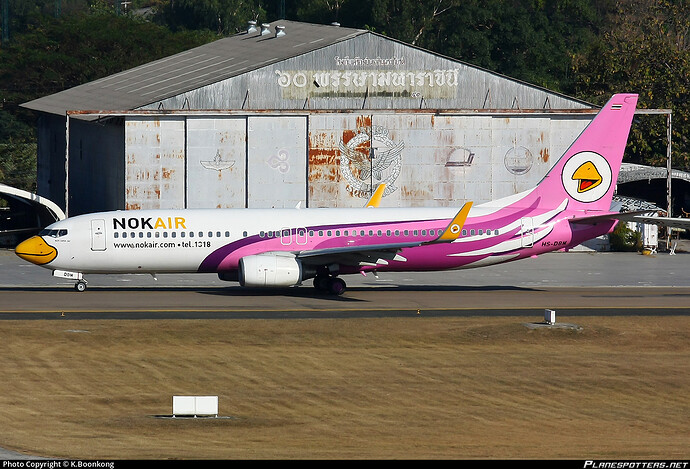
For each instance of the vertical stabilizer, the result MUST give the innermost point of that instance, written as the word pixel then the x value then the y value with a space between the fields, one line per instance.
pixel 587 172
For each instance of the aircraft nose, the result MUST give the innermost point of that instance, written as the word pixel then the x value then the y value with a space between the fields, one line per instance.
pixel 36 251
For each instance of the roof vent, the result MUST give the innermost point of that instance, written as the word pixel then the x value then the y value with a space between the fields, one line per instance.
pixel 265 29
pixel 251 27
pixel 280 31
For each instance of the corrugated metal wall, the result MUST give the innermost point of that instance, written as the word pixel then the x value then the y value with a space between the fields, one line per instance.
pixel 332 159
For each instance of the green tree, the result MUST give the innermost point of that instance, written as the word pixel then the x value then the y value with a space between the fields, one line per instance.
pixel 225 17
pixel 644 49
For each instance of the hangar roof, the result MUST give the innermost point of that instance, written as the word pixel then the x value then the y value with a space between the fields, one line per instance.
pixel 194 68
pixel 149 84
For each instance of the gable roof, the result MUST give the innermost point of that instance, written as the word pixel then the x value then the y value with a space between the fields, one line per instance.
pixel 194 68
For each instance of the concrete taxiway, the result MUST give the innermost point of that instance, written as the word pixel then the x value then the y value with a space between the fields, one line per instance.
pixel 574 283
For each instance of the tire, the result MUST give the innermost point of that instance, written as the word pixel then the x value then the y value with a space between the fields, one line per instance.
pixel 336 286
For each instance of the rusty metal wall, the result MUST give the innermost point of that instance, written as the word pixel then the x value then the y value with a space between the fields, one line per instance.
pixel 276 162
pixel 431 159
pixel 337 159
pixel 216 162
pixel 155 162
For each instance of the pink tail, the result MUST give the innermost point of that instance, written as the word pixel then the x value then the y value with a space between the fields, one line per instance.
pixel 587 172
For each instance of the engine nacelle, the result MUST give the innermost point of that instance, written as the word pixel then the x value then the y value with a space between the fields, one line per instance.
pixel 270 270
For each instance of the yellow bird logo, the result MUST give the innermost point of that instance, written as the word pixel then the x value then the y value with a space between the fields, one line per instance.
pixel 588 177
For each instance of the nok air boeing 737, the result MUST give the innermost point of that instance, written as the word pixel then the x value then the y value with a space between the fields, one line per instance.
pixel 285 247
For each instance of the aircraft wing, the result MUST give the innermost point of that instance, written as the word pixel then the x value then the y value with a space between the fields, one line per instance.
pixel 380 254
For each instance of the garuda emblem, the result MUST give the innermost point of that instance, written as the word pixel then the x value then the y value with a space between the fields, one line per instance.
pixel 365 167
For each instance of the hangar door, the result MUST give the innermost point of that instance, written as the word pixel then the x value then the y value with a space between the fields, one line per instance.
pixel 276 161
pixel 216 157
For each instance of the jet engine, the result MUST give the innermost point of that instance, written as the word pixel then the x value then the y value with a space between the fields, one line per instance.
pixel 270 270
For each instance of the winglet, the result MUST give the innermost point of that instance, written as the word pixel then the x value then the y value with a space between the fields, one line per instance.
pixel 375 198
pixel 454 229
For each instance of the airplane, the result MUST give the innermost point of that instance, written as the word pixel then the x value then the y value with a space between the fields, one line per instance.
pixel 285 247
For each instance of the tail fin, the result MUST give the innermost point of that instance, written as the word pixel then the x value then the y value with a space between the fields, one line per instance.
pixel 587 172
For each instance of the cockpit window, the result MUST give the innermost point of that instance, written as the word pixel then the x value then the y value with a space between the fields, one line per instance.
pixel 53 233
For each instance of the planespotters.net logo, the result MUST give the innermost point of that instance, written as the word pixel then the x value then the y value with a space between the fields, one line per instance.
pixel 636 465
pixel 586 176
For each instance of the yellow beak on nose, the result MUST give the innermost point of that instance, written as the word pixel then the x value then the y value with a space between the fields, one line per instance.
pixel 36 251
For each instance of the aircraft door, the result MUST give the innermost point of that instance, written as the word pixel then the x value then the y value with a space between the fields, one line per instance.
pixel 527 232
pixel 98 235
pixel 286 237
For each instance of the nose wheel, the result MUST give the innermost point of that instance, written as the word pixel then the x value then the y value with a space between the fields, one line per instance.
pixel 80 286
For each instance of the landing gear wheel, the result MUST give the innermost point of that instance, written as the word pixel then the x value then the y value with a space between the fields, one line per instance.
pixel 336 286
pixel 321 282
pixel 80 286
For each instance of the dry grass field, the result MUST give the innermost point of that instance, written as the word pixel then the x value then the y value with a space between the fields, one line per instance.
pixel 348 388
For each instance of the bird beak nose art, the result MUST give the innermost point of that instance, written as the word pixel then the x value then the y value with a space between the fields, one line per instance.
pixel 587 176
pixel 36 251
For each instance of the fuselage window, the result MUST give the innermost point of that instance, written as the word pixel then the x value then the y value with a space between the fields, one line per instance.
pixel 464 232
pixel 471 232
pixel 480 232
pixel 191 234
pixel 244 234
pixel 329 233
pixel 148 234
pixel 378 233
pixel 311 233
pixel 124 235
pixel 165 234
pixel 210 234
pixel 158 234
pixel 115 235
pixel 227 234
pixel 132 235
pixel 320 232
pixel 337 232
pixel 182 234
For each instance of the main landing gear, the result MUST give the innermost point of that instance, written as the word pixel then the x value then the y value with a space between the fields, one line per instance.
pixel 330 284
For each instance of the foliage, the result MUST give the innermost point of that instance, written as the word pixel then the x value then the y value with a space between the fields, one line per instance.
pixel 222 16
pixel 644 49
pixel 585 48
pixel 624 239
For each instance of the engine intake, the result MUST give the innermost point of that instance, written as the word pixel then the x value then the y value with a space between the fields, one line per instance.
pixel 270 270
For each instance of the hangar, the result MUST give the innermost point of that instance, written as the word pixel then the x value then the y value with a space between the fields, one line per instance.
pixel 296 113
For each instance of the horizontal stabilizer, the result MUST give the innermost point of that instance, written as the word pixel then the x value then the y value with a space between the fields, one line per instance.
pixel 620 216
